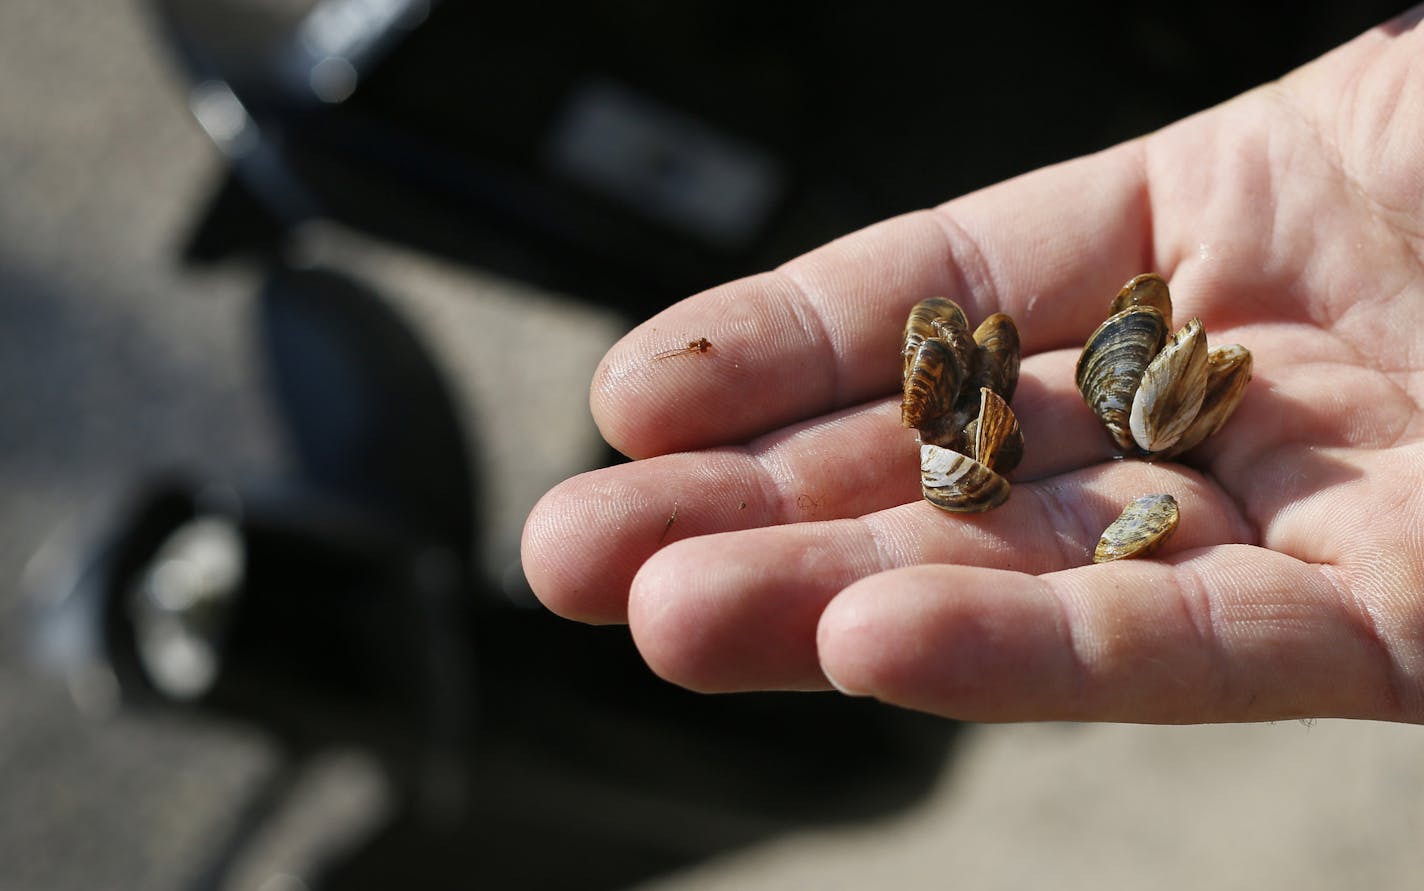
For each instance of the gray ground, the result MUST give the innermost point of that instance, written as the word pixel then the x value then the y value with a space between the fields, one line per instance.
pixel 113 363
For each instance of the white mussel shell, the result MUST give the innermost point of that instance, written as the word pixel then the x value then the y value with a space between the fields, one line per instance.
pixel 1170 394
pixel 958 483
pixel 1227 373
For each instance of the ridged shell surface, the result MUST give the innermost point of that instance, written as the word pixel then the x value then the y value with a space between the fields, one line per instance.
pixel 998 441
pixel 956 387
pixel 941 362
pixel 955 482
pixel 1147 289
pixel 1227 374
pixel 925 317
pixel 1142 527
pixel 1113 362
pixel 997 338
pixel 1170 393
pixel 1184 393
pixel 932 386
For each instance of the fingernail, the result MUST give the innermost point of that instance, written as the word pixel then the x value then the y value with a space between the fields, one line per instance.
pixel 847 691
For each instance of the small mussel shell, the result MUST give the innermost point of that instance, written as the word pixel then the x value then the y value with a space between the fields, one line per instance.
pixel 1227 374
pixel 1169 397
pixel 997 355
pixel 996 437
pixel 1113 362
pixel 940 357
pixel 924 318
pixel 1147 289
pixel 992 437
pixel 957 483
pixel 1139 530
pixel 936 375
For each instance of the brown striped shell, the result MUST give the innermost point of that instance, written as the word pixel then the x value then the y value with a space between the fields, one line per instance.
pixel 1141 528
pixel 956 388
pixel 969 483
pixel 925 320
pixel 1147 289
pixel 1157 395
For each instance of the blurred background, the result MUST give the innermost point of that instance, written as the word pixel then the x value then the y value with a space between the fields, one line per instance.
pixel 299 302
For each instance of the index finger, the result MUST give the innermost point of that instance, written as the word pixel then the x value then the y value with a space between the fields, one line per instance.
pixel 821 332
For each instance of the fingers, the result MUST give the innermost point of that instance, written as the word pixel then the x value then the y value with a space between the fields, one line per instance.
pixel 586 539
pixel 1232 633
pixel 739 611
pixel 822 333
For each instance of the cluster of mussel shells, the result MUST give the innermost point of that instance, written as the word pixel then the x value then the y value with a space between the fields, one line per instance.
pixel 957 388
pixel 1157 395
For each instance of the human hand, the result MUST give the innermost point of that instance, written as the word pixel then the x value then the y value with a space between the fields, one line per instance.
pixel 773 535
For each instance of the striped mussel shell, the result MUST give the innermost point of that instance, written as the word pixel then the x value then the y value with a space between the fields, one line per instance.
pixel 972 482
pixel 1157 395
pixel 1112 365
pixel 994 438
pixel 925 320
pixel 939 371
pixel 957 483
pixel 1228 370
pixel 1147 289
pixel 997 350
pixel 944 366
pixel 1170 394
pixel 956 391
pixel 938 361
pixel 1141 528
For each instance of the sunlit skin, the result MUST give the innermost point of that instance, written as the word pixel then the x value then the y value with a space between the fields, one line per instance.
pixel 1290 220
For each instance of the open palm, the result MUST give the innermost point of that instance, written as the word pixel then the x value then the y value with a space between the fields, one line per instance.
pixel 773 535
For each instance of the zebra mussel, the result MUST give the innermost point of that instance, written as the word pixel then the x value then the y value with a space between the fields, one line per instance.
pixel 1157 395
pixel 956 392
pixel 1141 528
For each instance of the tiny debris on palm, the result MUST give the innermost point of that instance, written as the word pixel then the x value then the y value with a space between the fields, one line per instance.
pixel 700 345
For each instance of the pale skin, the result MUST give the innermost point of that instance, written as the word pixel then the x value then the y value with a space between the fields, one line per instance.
pixel 1290 220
